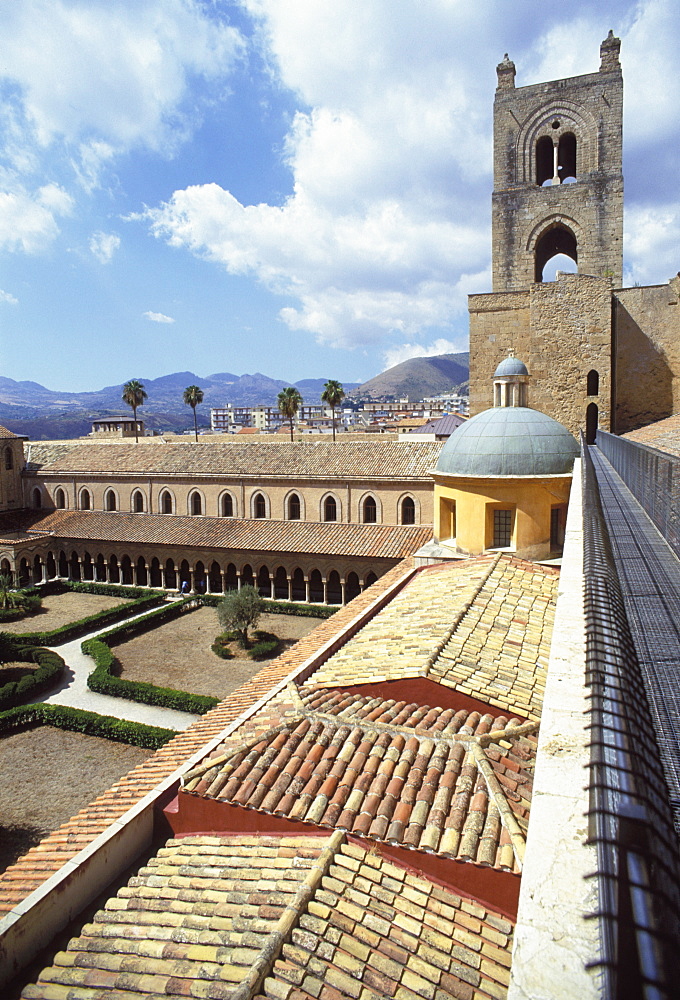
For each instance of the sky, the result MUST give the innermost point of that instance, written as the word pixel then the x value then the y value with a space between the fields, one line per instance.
pixel 295 187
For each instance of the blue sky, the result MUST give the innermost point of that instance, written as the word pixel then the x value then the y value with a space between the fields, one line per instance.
pixel 295 187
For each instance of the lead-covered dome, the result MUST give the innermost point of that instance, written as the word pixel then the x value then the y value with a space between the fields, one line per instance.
pixel 510 366
pixel 509 441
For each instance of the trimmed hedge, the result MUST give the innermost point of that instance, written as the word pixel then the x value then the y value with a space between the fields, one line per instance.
pixel 49 670
pixel 123 590
pixel 89 624
pixel 79 721
pixel 12 614
pixel 266 646
pixel 281 607
pixel 104 680
pixel 127 630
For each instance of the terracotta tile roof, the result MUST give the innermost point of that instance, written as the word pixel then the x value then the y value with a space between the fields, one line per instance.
pixel 30 871
pixel 482 626
pixel 664 435
pixel 4 433
pixel 376 930
pixel 294 917
pixel 408 774
pixel 380 541
pixel 318 460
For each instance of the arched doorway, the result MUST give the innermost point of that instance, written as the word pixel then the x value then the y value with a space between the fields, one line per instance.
pixel 126 571
pixel 114 569
pixel 230 578
pixel 316 594
pixel 141 572
pixel 592 418
pixel 100 569
pixel 352 588
pixel 74 567
pixel 155 575
pixel 199 577
pixel 264 584
pixel 281 584
pixel 170 575
pixel 215 578
pixel 556 240
pixel 51 566
pixel 298 588
pixel 247 576
pixel 333 588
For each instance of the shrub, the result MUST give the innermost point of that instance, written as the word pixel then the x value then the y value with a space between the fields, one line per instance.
pixel 240 610
pixel 89 624
pixel 79 721
pixel 50 667
pixel 266 646
pixel 279 607
pixel 220 647
pixel 103 679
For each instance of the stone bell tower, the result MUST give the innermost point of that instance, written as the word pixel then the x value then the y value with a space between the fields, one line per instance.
pixel 558 189
pixel 558 182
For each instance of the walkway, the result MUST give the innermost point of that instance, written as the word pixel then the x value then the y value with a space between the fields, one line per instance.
pixel 73 691
pixel 649 576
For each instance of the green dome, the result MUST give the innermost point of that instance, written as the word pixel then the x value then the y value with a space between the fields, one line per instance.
pixel 509 441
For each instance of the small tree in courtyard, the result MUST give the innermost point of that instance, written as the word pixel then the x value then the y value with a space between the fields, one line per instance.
pixel 240 610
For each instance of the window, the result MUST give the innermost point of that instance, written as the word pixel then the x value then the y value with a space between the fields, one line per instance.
pixel 330 509
pixel 9 458
pixel 166 503
pixel 557 241
pixel 85 500
pixel 293 507
pixel 370 511
pixel 502 529
pixel 592 420
pixel 544 160
pixel 37 497
pixel 195 503
pixel 227 509
pixel 408 511
pixel 138 502
pixel 566 158
pixel 259 506
pixel 111 500
pixel 593 383
pixel 60 499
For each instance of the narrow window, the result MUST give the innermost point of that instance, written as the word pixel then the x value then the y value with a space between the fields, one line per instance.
pixel 502 529
pixel 227 505
pixel 37 497
pixel 110 500
pixel 9 458
pixel 592 420
pixel 566 158
pixel 330 509
pixel 294 507
pixel 166 503
pixel 60 499
pixel 593 382
pixel 544 160
pixel 259 506
pixel 408 511
pixel 196 505
pixel 370 511
pixel 85 500
pixel 137 502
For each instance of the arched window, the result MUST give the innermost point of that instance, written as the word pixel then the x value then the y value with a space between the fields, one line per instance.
pixel 370 579
pixel 60 499
pixel 110 501
pixel 298 588
pixel 592 420
pixel 294 507
pixel 37 497
pixel 166 502
pixel 334 588
pixel 85 500
pixel 100 568
pixel 114 569
pixel 155 576
pixel 408 511
pixel 566 158
pixel 215 578
pixel 195 503
pixel 259 506
pixel 247 575
pixel 544 160
pixel 352 588
pixel 227 505
pixel 315 587
pixel 138 502
pixel 281 584
pixel 593 382
pixel 369 513
pixel 264 585
pixel 556 241
pixel 330 509
pixel 170 575
pixel 9 458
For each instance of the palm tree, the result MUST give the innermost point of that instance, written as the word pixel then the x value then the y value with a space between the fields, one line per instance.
pixel 193 397
pixel 289 401
pixel 134 396
pixel 333 394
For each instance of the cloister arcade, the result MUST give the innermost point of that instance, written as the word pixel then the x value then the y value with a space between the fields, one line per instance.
pixel 278 578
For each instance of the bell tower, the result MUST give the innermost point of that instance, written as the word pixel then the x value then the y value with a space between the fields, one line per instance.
pixel 558 181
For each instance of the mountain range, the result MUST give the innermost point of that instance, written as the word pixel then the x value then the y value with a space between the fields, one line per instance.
pixel 31 409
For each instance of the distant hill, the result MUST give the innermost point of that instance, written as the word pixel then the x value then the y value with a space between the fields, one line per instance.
pixel 418 377
pixel 29 408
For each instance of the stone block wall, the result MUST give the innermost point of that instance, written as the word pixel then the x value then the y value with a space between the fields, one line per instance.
pixel 561 330
pixel 647 332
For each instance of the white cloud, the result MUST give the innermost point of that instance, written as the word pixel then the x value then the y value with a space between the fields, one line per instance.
pixel 28 220
pixel 395 355
pixel 85 81
pixel 158 317
pixel 651 245
pixel 7 297
pixel 104 245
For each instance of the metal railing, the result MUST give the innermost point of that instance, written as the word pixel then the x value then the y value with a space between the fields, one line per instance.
pixel 653 477
pixel 630 819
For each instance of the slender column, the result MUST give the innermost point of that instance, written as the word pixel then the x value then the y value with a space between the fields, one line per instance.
pixel 325 591
pixel 271 587
pixel 223 582
pixel 307 590
pixel 556 176
pixel 238 580
pixel 290 587
pixel 343 588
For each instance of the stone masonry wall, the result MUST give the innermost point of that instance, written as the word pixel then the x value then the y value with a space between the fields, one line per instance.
pixel 561 330
pixel 647 326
